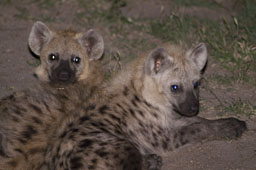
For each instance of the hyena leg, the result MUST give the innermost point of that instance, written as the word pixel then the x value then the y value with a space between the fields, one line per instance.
pixel 204 129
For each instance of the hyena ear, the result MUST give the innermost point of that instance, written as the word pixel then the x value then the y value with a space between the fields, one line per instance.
pixel 157 61
pixel 199 55
pixel 39 35
pixel 94 44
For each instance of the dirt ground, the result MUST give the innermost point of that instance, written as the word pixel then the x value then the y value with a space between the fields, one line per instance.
pixel 17 65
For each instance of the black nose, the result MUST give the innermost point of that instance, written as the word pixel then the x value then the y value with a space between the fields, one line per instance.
pixel 64 75
pixel 194 108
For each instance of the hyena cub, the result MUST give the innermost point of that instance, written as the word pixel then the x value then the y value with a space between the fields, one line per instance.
pixel 149 108
pixel 28 117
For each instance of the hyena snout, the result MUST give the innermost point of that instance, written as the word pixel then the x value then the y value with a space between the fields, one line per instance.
pixel 189 107
pixel 63 73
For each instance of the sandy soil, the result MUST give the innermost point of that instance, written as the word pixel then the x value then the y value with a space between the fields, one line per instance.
pixel 17 65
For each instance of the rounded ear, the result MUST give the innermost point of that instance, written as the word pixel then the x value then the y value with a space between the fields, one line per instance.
pixel 157 61
pixel 39 35
pixel 199 55
pixel 94 44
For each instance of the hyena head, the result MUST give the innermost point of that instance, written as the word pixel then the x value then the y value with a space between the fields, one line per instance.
pixel 173 78
pixel 65 54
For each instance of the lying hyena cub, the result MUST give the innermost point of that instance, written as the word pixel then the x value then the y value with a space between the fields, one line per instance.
pixel 149 108
pixel 28 117
pixel 68 58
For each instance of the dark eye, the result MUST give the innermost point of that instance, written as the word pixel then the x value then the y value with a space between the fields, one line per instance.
pixel 174 88
pixel 196 84
pixel 76 60
pixel 53 57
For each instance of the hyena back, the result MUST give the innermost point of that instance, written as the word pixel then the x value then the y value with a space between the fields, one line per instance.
pixel 149 108
pixel 29 117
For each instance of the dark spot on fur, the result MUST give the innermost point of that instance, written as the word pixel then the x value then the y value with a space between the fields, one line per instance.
pixel 175 136
pixel 155 144
pixel 63 134
pixel 103 109
pixel 17 111
pixel 134 103
pixel 71 136
pixel 184 142
pixel 165 145
pixel 70 124
pixel 192 132
pixel 90 107
pixel 91 167
pixel 61 164
pixel 137 98
pixel 147 104
pixel 126 91
pixel 83 119
pixel 182 133
pixel 15 119
pixel 132 112
pixel 36 108
pixel 155 115
pixel 76 163
pixel 46 106
pixel 94 161
pixel 29 132
pixel 85 143
pixel 141 113
pixel 5 109
pixel 177 145
pixel 115 117
pixel 74 130
pixel 36 120
pixel 21 140
pixel 19 150
pixel 101 153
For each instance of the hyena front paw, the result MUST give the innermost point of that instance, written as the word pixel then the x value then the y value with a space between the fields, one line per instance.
pixel 152 162
pixel 230 128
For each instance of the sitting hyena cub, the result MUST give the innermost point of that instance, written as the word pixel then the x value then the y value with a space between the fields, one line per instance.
pixel 149 108
pixel 28 117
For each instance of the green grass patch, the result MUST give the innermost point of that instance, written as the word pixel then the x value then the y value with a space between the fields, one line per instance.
pixel 241 108
pixel 232 43
pixel 5 2
pixel 200 3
